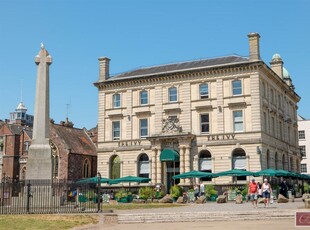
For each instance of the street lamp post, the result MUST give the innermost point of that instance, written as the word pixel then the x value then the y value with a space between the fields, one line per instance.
pixel 99 191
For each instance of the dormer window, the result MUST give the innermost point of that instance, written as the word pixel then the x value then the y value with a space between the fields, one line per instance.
pixel 116 100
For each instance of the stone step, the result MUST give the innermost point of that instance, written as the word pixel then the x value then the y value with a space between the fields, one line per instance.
pixel 203 216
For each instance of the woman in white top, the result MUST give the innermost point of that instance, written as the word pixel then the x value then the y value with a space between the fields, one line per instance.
pixel 267 191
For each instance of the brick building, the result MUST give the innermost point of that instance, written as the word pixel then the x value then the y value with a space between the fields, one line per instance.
pixel 73 151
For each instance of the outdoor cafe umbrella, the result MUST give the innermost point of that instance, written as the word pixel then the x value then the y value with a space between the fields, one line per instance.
pixel 194 174
pixel 235 172
pixel 129 179
pixel 272 172
pixel 93 180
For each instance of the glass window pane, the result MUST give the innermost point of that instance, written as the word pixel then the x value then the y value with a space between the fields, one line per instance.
pixel 237 88
pixel 143 127
pixel 116 130
pixel 204 123
pixel 116 100
pixel 204 91
pixel 143 97
pixel 173 94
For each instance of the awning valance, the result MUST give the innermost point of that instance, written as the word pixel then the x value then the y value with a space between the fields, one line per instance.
pixel 169 155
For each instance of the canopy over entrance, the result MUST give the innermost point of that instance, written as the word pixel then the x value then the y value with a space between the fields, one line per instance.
pixel 169 155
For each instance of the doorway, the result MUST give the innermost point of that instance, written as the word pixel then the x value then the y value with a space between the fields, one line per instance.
pixel 172 169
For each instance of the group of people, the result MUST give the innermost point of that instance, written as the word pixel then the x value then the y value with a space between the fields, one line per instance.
pixel 257 190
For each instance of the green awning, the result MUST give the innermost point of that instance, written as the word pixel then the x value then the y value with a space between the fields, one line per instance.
pixel 169 155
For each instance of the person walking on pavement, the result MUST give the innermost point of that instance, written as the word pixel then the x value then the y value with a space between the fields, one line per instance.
pixel 202 188
pixel 253 192
pixel 267 191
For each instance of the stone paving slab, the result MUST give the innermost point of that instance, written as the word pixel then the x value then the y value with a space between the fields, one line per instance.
pixel 209 211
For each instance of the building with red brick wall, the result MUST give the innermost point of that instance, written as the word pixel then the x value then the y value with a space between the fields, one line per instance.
pixel 73 151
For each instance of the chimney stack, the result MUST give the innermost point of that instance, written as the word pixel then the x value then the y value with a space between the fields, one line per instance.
pixel 276 65
pixel 254 46
pixel 104 64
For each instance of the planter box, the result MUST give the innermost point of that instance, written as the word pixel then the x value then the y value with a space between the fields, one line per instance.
pixel 213 197
pixel 122 200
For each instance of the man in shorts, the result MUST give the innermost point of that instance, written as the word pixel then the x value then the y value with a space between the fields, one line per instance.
pixel 253 191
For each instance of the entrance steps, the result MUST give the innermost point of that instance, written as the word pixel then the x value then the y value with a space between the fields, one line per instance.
pixel 205 216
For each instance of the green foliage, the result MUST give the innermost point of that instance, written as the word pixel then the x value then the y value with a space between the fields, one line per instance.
pixel 121 194
pixel 176 191
pixel 244 190
pixel 306 187
pixel 210 190
pixel 146 193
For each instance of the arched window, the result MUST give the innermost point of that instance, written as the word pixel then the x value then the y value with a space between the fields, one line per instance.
pixel 144 166
pixel 205 163
pixel 283 162
pixel 276 160
pixel 268 159
pixel 115 167
pixel 239 161
pixel 173 94
pixel 86 169
pixel 55 160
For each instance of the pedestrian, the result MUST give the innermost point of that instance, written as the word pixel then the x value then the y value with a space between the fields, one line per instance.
pixel 202 188
pixel 259 186
pixel 283 189
pixel 267 191
pixel 253 192
pixel 196 191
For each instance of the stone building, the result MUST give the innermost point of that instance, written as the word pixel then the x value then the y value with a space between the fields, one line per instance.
pixel 73 152
pixel 208 115
pixel 304 143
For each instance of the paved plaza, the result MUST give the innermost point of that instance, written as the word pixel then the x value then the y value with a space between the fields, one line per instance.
pixel 209 215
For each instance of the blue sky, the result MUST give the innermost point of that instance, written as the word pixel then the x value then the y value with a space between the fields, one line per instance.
pixel 134 34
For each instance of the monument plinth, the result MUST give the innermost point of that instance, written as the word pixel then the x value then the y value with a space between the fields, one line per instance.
pixel 39 163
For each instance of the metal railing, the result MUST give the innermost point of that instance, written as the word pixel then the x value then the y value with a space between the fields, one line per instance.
pixel 22 197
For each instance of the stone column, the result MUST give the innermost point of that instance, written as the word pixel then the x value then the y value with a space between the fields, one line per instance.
pixel 153 166
pixel 158 168
pixel 187 159
pixel 182 170
pixel 39 163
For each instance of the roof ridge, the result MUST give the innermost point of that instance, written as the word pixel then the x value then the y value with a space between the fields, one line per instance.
pixel 175 63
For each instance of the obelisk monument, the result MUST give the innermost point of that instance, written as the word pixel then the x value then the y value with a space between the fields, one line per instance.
pixel 39 163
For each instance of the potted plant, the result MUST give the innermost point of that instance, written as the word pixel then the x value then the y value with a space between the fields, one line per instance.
pixel 244 192
pixel 211 193
pixel 175 192
pixel 146 193
pixel 121 196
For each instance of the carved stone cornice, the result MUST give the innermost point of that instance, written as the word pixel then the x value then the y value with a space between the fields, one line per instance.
pixel 189 75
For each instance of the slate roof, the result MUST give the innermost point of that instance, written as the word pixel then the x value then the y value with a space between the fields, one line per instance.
pixel 75 139
pixel 181 66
